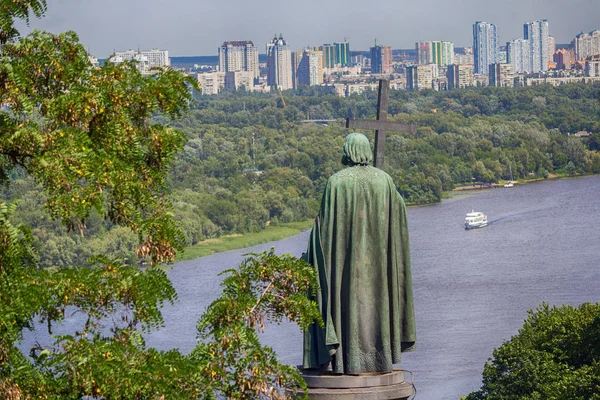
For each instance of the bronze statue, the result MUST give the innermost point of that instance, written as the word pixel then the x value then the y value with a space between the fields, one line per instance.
pixel 359 245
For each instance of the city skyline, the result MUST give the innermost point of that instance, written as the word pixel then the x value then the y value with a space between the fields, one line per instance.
pixel 188 28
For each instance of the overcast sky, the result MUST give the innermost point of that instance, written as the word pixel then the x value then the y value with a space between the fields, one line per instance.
pixel 199 27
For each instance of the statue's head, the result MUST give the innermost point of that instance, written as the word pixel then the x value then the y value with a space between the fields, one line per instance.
pixel 357 150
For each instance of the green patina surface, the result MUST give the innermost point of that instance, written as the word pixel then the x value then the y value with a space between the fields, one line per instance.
pixel 359 245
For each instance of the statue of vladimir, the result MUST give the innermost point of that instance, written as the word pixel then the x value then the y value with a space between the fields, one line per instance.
pixel 359 245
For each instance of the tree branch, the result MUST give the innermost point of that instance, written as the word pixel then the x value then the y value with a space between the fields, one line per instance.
pixel 261 296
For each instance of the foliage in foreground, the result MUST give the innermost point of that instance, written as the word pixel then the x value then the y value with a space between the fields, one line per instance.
pixel 554 356
pixel 113 304
pixel 84 135
pixel 265 289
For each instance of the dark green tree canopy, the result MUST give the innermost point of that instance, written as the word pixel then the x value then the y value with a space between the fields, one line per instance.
pixel 84 134
pixel 554 356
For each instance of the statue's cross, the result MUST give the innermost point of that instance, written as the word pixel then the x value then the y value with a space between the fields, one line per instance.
pixel 381 124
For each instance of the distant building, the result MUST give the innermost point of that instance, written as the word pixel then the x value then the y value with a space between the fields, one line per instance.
pixel 296 58
pixel 328 58
pixel 359 59
pixel 423 50
pixel 398 84
pixel 502 56
pixel 211 82
pixel 561 80
pixel 551 48
pixel 587 45
pixel 157 58
pixel 339 89
pixel 592 68
pixel 279 64
pixel 501 75
pixel 563 58
pixel 360 88
pixel 536 32
pixel 419 77
pixel 239 55
pixel 145 60
pixel 381 59
pixel 344 73
pixel 464 57
pixel 310 70
pixel 517 54
pixel 342 53
pixel 460 75
pixel 435 52
pixel 235 80
pixel 481 80
pixel 485 46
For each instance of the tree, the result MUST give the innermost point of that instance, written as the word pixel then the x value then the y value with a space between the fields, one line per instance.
pixel 85 135
pixel 479 171
pixel 554 356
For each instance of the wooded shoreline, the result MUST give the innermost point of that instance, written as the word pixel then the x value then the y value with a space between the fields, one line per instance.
pixel 283 231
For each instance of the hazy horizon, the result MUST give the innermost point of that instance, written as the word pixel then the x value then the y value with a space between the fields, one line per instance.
pixel 188 28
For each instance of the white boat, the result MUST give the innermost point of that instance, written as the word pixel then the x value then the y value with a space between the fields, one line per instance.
pixel 475 219
pixel 509 184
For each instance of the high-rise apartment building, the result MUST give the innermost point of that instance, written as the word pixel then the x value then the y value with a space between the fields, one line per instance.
pixel 328 58
pixel 443 53
pixel 296 59
pixel 536 32
pixel 310 70
pixel 412 74
pixel 342 53
pixel 502 56
pixel 551 48
pixel 587 45
pixel 435 52
pixel 501 75
pixel 241 55
pixel 145 60
pixel 381 59
pixel 419 77
pixel 517 54
pixel 157 58
pixel 459 75
pixel 423 50
pixel 279 64
pixel 485 46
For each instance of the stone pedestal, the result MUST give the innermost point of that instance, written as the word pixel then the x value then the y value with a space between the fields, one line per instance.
pixel 327 386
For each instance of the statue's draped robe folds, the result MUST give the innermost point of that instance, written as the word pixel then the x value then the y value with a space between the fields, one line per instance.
pixel 359 245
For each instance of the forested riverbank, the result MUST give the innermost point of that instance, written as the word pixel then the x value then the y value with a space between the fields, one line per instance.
pixel 249 162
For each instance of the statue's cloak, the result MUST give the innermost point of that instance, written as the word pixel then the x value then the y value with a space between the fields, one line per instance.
pixel 359 245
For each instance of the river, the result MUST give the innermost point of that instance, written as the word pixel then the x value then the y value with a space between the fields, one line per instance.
pixel 472 288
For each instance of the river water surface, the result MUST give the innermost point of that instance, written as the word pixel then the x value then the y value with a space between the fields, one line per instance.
pixel 472 288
